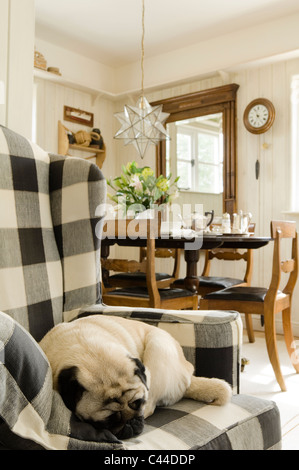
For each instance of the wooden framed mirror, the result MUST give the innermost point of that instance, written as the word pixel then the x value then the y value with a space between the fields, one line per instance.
pixel 203 103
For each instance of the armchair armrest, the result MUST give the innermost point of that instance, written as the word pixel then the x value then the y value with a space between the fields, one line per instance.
pixel 211 340
pixel 33 415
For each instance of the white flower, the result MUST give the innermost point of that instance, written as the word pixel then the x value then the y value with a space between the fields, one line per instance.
pixel 136 183
pixel 173 196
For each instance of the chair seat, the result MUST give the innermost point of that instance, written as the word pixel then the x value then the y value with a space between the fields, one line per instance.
pixel 220 282
pixel 138 276
pixel 246 294
pixel 143 292
pixel 213 282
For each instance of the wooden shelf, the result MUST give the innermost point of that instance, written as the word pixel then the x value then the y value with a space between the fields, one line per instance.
pixel 64 146
pixel 61 80
pixel 86 149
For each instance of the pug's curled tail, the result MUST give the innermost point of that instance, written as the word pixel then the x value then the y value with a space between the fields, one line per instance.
pixel 211 391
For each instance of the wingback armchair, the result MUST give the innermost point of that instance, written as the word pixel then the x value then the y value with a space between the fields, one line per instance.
pixel 51 213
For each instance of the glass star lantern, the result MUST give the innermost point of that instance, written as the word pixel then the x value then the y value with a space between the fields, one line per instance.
pixel 142 125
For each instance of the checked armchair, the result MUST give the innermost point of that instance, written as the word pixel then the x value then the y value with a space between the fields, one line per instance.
pixel 50 226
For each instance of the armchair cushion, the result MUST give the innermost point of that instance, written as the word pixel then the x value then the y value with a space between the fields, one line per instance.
pixel 247 423
pixel 33 416
pixel 211 341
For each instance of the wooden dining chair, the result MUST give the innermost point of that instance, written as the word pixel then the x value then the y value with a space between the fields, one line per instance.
pixel 209 283
pixel 267 301
pixel 138 278
pixel 150 295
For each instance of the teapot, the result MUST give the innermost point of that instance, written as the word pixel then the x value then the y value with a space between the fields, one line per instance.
pixel 201 222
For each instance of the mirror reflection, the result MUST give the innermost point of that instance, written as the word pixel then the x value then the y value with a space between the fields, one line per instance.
pixel 202 149
pixel 195 153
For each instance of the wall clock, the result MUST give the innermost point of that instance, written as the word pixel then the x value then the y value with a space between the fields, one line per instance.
pixel 259 116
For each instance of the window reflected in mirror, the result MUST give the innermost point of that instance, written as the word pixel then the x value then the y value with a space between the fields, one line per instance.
pixel 204 160
pixel 195 153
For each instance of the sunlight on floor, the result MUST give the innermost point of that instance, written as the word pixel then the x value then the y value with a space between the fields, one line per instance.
pixel 258 380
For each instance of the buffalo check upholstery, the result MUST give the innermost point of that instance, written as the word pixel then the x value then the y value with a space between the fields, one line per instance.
pixel 51 214
pixel 30 276
pixel 210 340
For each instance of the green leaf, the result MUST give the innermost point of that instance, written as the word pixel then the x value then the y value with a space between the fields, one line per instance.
pixel 134 168
pixel 115 199
pixel 157 194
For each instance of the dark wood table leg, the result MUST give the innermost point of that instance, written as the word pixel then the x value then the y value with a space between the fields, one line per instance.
pixel 105 250
pixel 191 279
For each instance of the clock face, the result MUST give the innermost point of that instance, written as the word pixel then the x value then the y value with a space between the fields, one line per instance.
pixel 258 116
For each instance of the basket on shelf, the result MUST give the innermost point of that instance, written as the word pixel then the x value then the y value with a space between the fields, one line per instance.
pixel 80 141
pixel 39 61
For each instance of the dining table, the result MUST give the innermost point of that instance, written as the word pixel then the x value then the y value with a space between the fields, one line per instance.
pixel 191 243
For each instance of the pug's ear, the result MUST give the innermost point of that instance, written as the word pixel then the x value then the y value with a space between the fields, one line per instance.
pixel 140 370
pixel 69 388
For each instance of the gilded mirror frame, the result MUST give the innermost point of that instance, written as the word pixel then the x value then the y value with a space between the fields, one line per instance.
pixel 214 100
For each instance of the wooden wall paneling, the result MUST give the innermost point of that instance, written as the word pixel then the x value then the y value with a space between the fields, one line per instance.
pixel 269 195
pixel 51 110
pixel 280 150
pixel 291 70
pixel 248 186
pixel 268 211
pixel 266 182
pixel 39 111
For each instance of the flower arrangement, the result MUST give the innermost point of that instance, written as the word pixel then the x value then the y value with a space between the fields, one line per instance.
pixel 138 189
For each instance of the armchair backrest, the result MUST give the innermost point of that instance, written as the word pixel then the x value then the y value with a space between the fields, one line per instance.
pixel 47 236
pixel 78 196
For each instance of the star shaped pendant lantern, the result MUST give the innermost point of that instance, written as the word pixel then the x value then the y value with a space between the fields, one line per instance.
pixel 142 125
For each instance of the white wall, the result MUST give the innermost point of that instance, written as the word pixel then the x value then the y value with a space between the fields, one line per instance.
pixel 3 58
pixel 219 53
pixel 16 63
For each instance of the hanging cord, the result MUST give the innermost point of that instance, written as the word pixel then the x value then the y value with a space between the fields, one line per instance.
pixel 142 51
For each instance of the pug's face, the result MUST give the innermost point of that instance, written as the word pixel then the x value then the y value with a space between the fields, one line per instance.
pixel 112 399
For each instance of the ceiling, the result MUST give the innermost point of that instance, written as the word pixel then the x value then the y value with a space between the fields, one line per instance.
pixel 109 31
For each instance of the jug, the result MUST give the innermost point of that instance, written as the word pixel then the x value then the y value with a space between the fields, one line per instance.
pixel 201 222
pixel 241 222
pixel 245 222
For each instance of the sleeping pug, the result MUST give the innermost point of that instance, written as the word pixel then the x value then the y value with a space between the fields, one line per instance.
pixel 112 372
